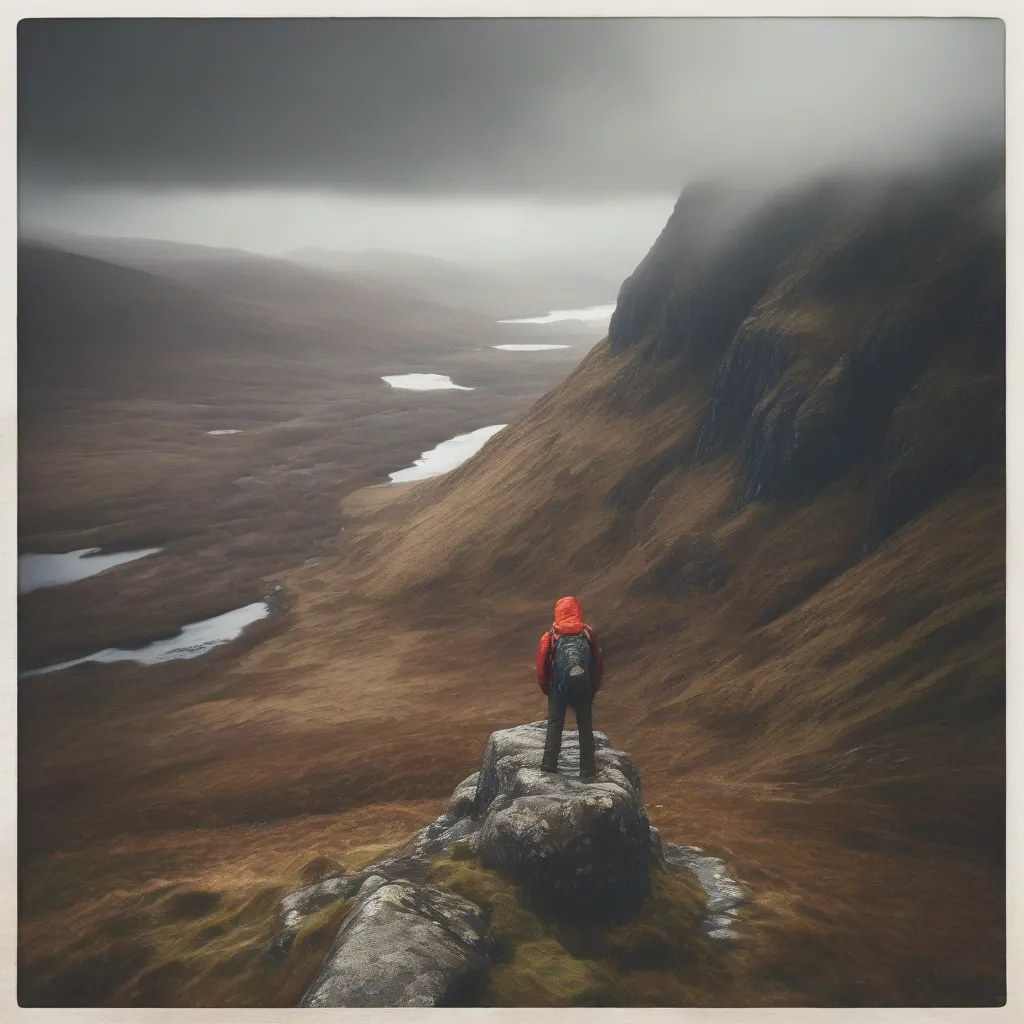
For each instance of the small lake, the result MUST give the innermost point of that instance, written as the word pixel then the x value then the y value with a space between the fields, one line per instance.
pixel 194 640
pixel 528 348
pixel 36 571
pixel 220 433
pixel 424 382
pixel 590 314
pixel 447 455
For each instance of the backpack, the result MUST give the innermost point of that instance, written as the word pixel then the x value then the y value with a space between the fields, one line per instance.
pixel 571 660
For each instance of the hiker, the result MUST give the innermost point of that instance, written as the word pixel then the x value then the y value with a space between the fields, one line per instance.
pixel 569 671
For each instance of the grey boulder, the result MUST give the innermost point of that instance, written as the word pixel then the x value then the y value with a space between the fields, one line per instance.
pixel 404 945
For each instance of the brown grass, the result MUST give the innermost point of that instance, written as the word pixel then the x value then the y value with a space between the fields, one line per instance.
pixel 829 721
pixel 852 868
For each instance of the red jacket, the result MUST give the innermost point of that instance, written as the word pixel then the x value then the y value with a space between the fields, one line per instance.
pixel 568 622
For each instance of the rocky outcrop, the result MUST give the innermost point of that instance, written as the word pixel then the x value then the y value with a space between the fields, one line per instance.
pixel 573 849
pixel 579 848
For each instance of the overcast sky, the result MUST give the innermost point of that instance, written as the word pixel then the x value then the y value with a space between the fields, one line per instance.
pixel 161 124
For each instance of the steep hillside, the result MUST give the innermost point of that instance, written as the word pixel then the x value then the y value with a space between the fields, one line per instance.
pixel 845 334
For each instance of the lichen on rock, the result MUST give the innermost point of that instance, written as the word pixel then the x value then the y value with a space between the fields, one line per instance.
pixel 403 945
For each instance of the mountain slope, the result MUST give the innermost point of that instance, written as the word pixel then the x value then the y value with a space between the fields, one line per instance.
pixel 778 488
pixel 782 364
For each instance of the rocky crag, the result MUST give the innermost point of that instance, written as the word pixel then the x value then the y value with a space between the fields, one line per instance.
pixel 574 854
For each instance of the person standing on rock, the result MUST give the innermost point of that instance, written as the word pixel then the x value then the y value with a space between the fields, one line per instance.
pixel 570 667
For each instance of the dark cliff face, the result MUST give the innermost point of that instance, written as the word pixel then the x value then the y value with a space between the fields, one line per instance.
pixel 704 216
pixel 840 321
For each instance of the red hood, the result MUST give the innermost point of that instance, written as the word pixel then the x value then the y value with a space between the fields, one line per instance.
pixel 568 616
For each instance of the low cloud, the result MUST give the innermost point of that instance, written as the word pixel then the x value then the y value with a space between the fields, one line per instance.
pixel 520 107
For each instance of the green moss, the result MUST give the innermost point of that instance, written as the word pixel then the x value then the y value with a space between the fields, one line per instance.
pixel 463 875
pixel 460 850
pixel 664 934
pixel 656 959
pixel 313 942
pixel 543 973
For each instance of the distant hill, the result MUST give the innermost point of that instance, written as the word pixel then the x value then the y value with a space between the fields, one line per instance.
pixel 131 251
pixel 517 288
pixel 118 327
pixel 319 277
pixel 300 293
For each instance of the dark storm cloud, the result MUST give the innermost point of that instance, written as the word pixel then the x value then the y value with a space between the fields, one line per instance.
pixel 510 106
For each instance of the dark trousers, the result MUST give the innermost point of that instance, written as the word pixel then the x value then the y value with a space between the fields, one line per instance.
pixel 581 705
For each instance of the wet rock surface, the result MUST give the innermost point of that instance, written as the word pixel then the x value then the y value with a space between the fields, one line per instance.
pixel 724 893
